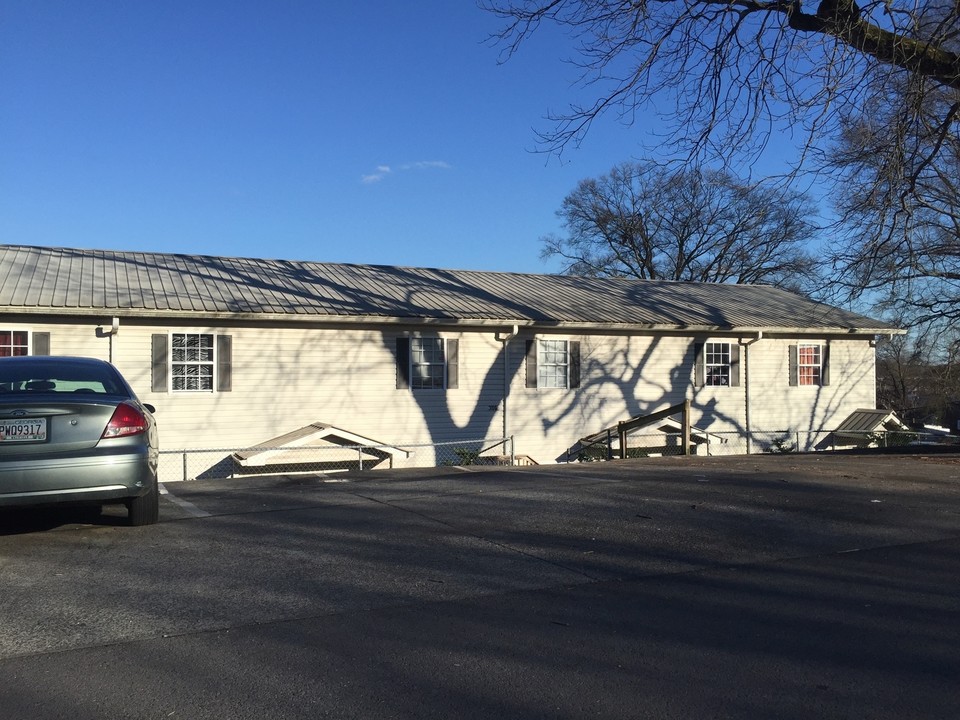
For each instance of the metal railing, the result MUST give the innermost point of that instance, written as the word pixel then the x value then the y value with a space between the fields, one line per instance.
pixel 215 463
pixel 220 463
pixel 715 443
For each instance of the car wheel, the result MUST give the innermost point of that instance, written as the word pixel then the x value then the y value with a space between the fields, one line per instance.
pixel 144 510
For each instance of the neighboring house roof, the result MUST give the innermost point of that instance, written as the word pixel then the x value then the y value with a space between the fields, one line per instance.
pixel 866 420
pixel 72 281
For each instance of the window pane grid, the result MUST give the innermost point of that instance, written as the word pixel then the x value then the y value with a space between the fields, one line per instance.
pixel 427 363
pixel 13 343
pixel 717 364
pixel 192 361
pixel 808 364
pixel 809 354
pixel 553 364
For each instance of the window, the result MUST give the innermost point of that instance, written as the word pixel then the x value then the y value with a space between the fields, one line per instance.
pixel 191 366
pixel 13 342
pixel 553 364
pixel 717 363
pixel 428 363
pixel 808 364
pixel 184 362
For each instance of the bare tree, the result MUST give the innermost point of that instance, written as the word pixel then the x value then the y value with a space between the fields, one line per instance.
pixel 868 94
pixel 640 220
pixel 918 377
pixel 899 202
pixel 736 69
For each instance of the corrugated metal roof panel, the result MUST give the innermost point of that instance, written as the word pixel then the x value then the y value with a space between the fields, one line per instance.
pixel 54 278
pixel 866 420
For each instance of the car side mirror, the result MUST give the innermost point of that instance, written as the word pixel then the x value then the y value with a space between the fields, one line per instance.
pixel 150 408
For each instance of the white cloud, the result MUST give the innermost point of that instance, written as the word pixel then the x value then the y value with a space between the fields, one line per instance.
pixel 379 174
pixel 383 170
pixel 426 164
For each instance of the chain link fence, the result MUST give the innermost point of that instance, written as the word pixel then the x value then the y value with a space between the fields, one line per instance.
pixel 709 443
pixel 221 463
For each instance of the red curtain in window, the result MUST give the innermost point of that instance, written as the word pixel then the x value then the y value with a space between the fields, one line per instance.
pixel 13 342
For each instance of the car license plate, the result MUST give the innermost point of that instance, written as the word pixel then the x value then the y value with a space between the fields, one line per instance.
pixel 33 430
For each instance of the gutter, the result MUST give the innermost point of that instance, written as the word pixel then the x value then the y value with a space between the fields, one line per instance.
pixel 745 344
pixel 339 320
pixel 114 329
pixel 505 338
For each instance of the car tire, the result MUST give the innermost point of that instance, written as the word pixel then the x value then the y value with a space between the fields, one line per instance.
pixel 144 510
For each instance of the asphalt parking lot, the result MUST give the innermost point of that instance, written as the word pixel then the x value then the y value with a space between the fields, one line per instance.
pixel 818 586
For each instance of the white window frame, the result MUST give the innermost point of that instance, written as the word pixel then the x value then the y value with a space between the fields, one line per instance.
pixel 26 346
pixel 418 359
pixel 717 364
pixel 195 361
pixel 553 374
pixel 814 376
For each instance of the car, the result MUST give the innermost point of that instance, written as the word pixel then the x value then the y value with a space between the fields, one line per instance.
pixel 72 430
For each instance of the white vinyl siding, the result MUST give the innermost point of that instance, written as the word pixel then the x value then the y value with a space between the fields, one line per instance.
pixel 290 376
pixel 777 404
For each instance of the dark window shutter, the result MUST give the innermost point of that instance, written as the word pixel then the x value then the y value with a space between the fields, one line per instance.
pixel 574 363
pixel 403 363
pixel 224 363
pixel 734 364
pixel 453 364
pixel 531 363
pixel 699 371
pixel 794 364
pixel 159 363
pixel 41 343
pixel 825 365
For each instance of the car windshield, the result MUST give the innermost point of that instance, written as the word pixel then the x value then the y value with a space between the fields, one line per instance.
pixel 59 377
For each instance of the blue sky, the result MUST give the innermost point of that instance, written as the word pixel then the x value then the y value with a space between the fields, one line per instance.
pixel 377 132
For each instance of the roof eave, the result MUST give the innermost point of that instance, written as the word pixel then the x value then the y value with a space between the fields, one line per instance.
pixel 315 318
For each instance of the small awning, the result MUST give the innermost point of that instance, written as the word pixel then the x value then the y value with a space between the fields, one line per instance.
pixel 312 444
pixel 668 426
pixel 861 423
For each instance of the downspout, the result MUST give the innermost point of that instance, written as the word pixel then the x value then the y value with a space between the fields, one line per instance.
pixel 745 344
pixel 114 329
pixel 505 338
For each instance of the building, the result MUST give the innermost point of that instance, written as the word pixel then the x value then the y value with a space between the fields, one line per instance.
pixel 235 351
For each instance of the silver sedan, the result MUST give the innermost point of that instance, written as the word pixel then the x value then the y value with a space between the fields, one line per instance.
pixel 73 431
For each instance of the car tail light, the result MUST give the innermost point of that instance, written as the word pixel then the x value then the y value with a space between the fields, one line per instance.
pixel 126 420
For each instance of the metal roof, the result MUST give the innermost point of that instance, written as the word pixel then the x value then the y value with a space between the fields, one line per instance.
pixel 293 447
pixel 65 280
pixel 867 420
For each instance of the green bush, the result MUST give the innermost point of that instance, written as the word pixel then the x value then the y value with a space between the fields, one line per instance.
pixel 466 456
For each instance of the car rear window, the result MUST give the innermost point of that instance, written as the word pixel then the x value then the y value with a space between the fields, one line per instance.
pixel 52 377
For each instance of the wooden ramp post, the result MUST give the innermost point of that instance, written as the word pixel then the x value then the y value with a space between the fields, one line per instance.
pixel 625 427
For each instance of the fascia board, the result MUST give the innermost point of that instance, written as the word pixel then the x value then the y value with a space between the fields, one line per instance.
pixel 190 317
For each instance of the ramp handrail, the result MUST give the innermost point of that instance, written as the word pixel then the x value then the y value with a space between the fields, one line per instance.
pixel 643 420
pixel 626 426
